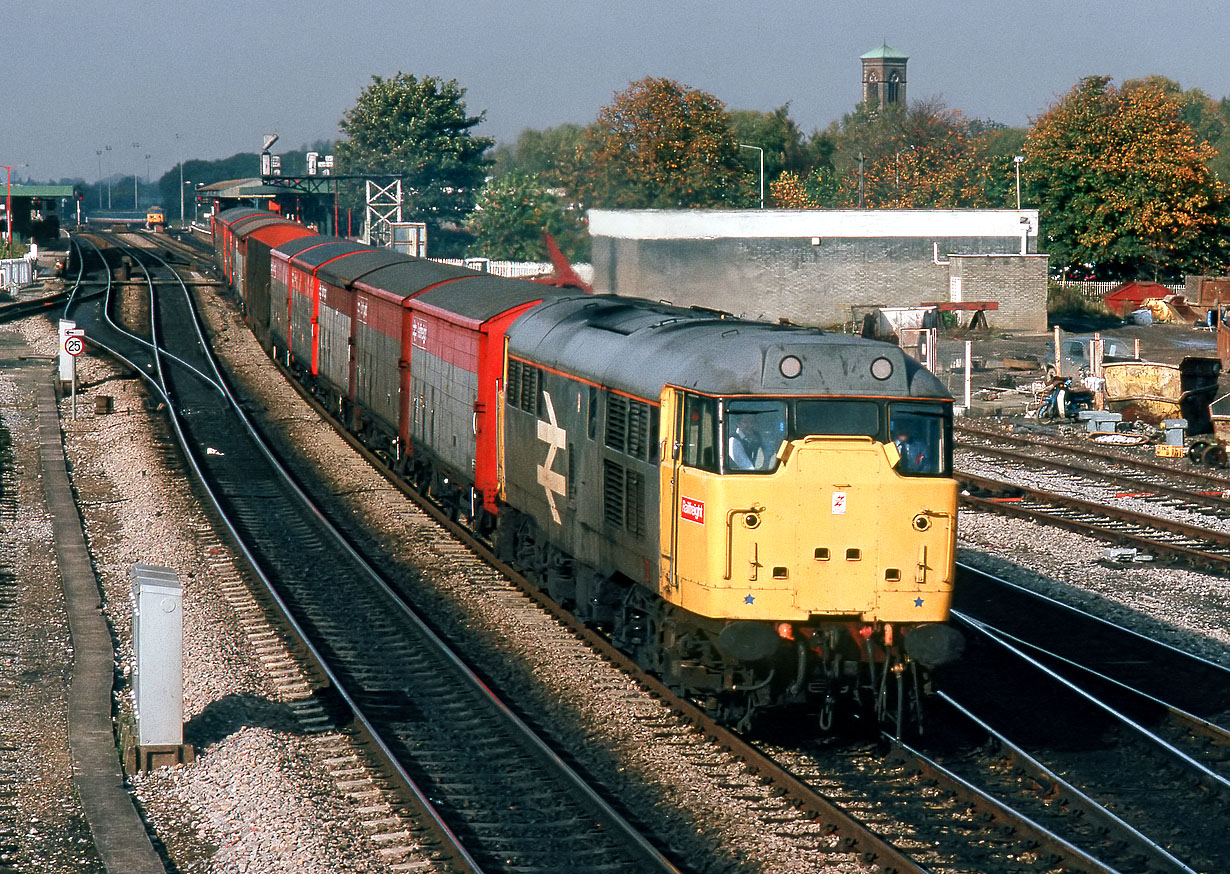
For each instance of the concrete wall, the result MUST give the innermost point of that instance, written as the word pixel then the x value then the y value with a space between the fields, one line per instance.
pixel 813 267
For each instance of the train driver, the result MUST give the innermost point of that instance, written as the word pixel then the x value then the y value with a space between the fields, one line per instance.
pixel 747 448
pixel 915 453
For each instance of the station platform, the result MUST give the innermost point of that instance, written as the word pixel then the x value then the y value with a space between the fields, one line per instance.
pixel 119 834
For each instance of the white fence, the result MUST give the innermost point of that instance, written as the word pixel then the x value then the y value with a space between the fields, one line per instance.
pixel 1099 290
pixel 16 271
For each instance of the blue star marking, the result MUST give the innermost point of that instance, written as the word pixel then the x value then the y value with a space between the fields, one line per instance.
pixel 750 599
pixel 918 602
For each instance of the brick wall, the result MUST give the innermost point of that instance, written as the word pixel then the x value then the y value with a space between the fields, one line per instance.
pixel 817 281
pixel 1016 282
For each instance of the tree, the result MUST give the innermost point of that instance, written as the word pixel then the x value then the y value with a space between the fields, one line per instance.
pixel 776 133
pixel 550 154
pixel 513 213
pixel 662 145
pixel 417 130
pixel 1121 181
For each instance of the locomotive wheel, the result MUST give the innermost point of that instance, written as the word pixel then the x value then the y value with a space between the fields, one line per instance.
pixel 1214 455
pixel 1195 452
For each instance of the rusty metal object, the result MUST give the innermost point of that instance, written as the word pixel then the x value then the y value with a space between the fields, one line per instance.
pixel 1147 391
pixel 1143 391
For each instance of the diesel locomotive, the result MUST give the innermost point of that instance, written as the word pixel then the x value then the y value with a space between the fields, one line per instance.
pixel 762 514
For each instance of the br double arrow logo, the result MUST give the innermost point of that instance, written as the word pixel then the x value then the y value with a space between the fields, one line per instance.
pixel 556 438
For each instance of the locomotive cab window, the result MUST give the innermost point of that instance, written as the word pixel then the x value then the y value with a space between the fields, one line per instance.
pixel 699 433
pixel 922 435
pixel 836 418
pixel 754 431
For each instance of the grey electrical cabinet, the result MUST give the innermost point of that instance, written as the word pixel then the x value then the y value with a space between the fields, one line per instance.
pixel 158 640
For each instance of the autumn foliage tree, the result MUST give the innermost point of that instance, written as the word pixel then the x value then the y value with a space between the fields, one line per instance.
pixel 924 156
pixel 1122 181
pixel 661 144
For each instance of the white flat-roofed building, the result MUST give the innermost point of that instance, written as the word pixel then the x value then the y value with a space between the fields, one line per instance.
pixel 814 267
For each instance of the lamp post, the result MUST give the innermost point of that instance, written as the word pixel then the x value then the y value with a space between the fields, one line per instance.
pixel 181 182
pixel 8 206
pixel 98 152
pixel 135 171
pixel 196 200
pixel 1018 160
pixel 758 149
pixel 108 148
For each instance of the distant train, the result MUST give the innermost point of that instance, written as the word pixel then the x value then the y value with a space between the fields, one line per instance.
pixel 155 218
pixel 762 514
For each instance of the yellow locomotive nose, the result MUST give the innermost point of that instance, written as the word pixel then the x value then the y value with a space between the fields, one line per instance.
pixel 834 531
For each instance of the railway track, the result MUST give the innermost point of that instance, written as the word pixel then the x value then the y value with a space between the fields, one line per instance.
pixel 882 826
pixel 486 787
pixel 10 825
pixel 905 819
pixel 1171 484
pixel 1058 733
pixel 1121 727
pixel 1160 510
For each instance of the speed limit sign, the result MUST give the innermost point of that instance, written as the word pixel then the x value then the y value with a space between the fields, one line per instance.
pixel 74 344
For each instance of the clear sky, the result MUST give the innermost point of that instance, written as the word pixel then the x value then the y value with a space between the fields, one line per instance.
pixel 79 76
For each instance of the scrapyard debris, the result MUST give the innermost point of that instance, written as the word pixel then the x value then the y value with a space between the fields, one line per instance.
pixel 1123 554
pixel 1115 438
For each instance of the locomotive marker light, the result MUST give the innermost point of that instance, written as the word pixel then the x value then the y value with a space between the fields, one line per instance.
pixel 556 438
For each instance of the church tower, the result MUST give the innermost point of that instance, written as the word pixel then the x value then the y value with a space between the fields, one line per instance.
pixel 884 77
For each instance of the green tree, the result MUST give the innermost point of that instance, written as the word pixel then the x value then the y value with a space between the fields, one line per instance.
pixel 1122 181
pixel 777 134
pixel 550 154
pixel 660 144
pixel 417 130
pixel 513 213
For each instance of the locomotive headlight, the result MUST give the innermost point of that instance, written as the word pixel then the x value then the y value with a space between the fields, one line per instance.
pixel 881 368
pixel 752 520
pixel 921 522
pixel 790 367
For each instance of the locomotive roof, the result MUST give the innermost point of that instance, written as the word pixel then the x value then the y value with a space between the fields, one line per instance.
pixel 638 346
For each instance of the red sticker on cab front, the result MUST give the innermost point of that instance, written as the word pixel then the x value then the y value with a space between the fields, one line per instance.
pixel 690 509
